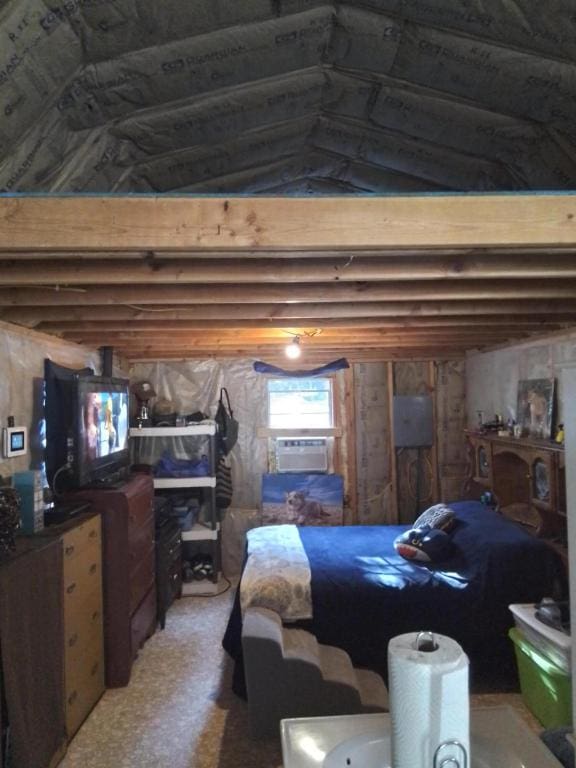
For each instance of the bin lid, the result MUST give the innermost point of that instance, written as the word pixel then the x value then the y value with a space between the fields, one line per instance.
pixel 526 612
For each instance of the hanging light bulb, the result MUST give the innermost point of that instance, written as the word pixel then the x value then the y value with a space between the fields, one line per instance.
pixel 293 350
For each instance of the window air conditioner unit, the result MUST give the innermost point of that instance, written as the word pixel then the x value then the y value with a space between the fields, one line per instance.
pixel 301 454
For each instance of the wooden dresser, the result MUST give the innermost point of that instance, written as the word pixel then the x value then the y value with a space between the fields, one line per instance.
pixel 83 620
pixel 527 478
pixel 128 571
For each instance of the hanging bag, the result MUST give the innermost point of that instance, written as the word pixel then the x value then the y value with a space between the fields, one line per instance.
pixel 226 424
pixel 224 487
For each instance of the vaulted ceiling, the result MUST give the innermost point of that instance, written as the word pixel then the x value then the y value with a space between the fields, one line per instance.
pixel 285 98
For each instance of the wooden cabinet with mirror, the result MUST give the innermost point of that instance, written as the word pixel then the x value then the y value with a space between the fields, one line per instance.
pixel 527 479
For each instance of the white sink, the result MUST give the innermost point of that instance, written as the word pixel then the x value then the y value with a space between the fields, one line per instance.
pixel 499 739
pixel 372 750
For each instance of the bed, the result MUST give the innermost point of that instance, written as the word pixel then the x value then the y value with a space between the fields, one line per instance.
pixel 363 593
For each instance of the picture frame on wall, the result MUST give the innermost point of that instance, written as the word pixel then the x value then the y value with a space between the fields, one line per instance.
pixel 535 408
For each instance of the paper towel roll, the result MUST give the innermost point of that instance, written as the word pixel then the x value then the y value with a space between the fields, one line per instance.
pixel 429 703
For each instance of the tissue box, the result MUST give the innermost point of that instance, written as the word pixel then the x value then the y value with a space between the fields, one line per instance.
pixel 29 486
pixel 546 689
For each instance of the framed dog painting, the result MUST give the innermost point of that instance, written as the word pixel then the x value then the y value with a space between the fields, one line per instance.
pixel 302 499
pixel 535 407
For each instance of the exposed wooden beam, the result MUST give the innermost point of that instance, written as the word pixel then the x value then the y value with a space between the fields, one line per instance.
pixel 135 354
pixel 137 223
pixel 327 324
pixel 293 293
pixel 341 268
pixel 44 255
pixel 273 314
pixel 468 342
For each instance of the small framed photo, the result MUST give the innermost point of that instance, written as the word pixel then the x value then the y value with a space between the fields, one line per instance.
pixel 536 407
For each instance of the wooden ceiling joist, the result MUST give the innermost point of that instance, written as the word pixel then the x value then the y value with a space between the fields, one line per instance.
pixel 277 357
pixel 271 314
pixel 157 223
pixel 343 268
pixel 504 290
pixel 509 322
pixel 241 255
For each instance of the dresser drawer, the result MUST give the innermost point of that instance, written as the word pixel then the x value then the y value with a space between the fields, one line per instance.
pixel 140 540
pixel 141 577
pixel 84 686
pixel 85 536
pixel 85 580
pixel 83 628
pixel 143 622
pixel 140 513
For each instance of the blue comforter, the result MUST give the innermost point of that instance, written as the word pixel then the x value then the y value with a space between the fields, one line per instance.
pixel 364 594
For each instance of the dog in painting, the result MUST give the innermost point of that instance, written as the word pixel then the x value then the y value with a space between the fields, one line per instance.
pixel 302 510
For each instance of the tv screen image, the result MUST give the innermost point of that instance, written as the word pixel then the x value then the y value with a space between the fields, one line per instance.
pixel 102 429
pixel 103 423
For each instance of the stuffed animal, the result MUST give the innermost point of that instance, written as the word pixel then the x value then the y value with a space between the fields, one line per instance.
pixel 424 544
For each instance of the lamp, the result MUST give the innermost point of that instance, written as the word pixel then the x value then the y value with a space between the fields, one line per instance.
pixel 293 350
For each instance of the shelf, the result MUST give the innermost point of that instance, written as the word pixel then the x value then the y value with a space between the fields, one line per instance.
pixel 201 532
pixel 202 587
pixel 202 428
pixel 184 482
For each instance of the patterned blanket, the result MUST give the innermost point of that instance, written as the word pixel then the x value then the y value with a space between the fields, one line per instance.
pixel 277 573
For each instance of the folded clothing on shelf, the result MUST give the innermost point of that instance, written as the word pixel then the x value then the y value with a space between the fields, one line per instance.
pixel 183 509
pixel 169 466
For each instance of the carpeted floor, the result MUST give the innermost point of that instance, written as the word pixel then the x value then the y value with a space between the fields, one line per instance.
pixel 179 711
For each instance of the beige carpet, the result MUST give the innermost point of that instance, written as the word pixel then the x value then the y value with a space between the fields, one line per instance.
pixel 179 711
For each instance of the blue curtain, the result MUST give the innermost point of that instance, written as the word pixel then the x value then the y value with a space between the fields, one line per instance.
pixel 336 365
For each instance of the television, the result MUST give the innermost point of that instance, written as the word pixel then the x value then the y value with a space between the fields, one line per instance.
pixel 87 429
pixel 102 440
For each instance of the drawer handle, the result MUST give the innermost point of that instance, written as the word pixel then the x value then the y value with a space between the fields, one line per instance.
pixel 72 698
pixel 73 640
pixel 93 568
pixel 174 577
pixel 69 549
pixel 71 588
pixel 92 534
pixel 95 615
pixel 94 669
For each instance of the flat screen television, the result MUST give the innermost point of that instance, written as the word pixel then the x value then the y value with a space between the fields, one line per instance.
pixel 87 429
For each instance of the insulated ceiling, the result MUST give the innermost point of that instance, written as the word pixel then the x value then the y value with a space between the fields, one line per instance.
pixel 287 96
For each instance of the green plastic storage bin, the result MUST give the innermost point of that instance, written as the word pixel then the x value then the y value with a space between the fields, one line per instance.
pixel 546 689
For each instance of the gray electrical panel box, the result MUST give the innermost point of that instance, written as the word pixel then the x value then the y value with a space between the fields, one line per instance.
pixel 413 423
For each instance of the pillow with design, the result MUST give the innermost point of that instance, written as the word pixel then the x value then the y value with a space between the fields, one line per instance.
pixel 439 516
pixel 425 545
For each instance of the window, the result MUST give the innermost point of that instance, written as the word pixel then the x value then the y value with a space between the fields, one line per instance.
pixel 300 403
